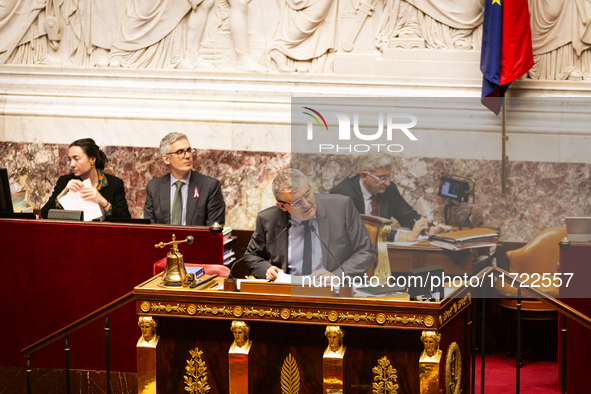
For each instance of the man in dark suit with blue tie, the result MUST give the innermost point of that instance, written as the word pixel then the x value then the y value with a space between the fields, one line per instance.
pixel 183 196
pixel 295 235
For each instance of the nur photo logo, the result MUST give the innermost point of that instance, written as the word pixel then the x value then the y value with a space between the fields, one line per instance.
pixel 393 121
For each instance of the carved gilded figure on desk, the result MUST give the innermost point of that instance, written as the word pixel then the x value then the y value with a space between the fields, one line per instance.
pixel 335 348
pixel 149 337
pixel 241 343
pixel 431 353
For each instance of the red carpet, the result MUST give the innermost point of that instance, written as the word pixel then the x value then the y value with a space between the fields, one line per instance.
pixel 537 377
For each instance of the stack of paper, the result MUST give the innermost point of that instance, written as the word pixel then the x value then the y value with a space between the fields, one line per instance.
pixel 466 239
pixel 73 201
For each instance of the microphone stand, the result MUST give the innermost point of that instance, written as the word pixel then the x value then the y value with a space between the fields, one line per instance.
pixel 344 291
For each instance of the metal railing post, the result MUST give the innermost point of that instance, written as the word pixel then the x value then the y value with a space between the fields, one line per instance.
pixel 108 355
pixel 474 314
pixel 67 366
pixel 518 367
pixel 482 340
pixel 29 383
pixel 563 383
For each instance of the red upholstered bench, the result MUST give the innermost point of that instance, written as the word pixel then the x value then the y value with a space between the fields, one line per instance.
pixel 209 269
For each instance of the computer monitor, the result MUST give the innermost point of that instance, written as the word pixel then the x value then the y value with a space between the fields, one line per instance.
pixel 5 198
pixel 454 189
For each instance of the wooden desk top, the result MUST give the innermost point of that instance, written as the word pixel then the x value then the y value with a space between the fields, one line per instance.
pixel 374 312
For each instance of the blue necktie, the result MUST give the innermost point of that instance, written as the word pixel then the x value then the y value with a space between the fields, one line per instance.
pixel 307 266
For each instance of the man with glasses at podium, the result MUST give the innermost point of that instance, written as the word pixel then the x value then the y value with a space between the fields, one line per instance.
pixel 183 196
pixel 308 234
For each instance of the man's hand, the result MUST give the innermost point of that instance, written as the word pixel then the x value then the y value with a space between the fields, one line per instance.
pixel 420 225
pixel 273 272
pixel 440 228
pixel 320 273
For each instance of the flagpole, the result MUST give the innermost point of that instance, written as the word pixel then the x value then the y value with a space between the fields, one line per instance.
pixel 505 157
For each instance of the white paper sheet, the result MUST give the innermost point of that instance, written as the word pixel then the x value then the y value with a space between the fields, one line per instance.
pixel 73 201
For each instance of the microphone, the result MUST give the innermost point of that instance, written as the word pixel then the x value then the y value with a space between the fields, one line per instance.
pixel 327 248
pixel 260 248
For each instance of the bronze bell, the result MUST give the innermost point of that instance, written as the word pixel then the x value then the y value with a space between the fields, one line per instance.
pixel 175 273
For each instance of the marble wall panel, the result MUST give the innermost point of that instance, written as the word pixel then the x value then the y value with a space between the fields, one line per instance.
pixel 245 176
pixel 539 194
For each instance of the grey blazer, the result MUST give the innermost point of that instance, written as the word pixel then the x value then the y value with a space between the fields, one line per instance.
pixel 204 210
pixel 340 228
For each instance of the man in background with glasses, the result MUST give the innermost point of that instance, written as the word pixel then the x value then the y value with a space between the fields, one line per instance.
pixel 374 194
pixel 294 235
pixel 183 196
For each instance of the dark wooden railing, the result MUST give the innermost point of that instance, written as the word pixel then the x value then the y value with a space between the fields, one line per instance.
pixel 553 303
pixel 64 332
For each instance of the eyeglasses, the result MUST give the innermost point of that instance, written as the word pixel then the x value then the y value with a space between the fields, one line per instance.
pixel 298 203
pixel 181 152
pixel 382 178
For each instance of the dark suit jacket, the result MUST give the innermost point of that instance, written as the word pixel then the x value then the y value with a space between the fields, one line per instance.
pixel 340 228
pixel 390 203
pixel 113 193
pixel 204 210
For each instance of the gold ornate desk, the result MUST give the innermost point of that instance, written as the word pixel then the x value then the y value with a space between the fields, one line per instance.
pixel 381 340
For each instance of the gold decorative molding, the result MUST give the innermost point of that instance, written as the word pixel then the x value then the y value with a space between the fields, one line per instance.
pixel 261 312
pixel 309 315
pixel 196 377
pixel 453 369
pixel 214 310
pixel 417 321
pixel 290 376
pixel 455 308
pixel 237 311
pixel 385 379
pixel 332 316
pixel 357 317
pixel 285 314
pixel 168 308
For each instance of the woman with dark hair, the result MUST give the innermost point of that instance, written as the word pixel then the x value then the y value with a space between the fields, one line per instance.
pixel 87 161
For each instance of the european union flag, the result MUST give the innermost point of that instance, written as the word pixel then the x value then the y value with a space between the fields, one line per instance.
pixel 506 48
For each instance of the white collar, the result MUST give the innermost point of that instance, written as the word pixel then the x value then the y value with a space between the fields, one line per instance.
pixel 366 195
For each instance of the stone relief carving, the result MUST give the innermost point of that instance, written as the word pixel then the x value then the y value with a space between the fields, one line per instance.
pixel 305 36
pixel 428 24
pixel 561 37
pixel 27 30
pixel 288 36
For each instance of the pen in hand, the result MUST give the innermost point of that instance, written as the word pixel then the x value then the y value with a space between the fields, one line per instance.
pixel 424 232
